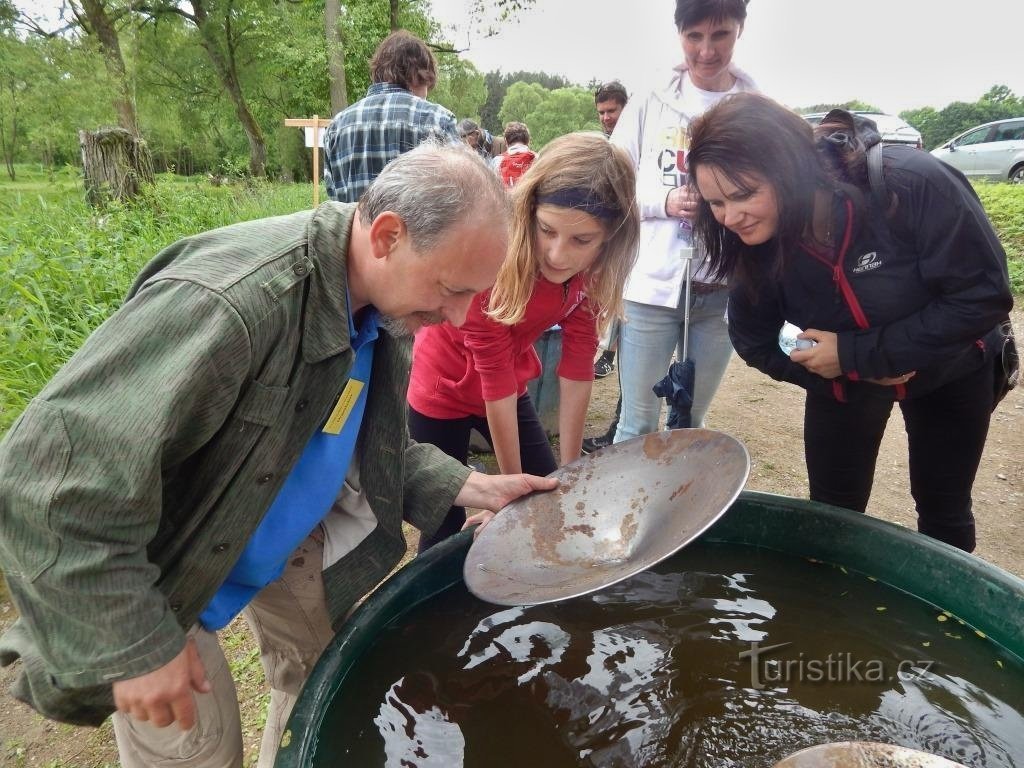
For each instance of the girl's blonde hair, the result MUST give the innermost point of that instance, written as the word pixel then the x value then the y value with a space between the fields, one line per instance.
pixel 590 167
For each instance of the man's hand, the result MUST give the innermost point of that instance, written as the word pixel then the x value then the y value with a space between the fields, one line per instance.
pixel 495 491
pixel 164 696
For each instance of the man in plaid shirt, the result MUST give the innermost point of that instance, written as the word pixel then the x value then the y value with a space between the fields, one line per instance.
pixel 393 118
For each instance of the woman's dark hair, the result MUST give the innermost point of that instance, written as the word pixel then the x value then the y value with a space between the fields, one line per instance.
pixel 744 138
pixel 690 12
pixel 405 60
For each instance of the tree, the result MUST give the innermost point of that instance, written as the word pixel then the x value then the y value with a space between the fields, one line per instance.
pixel 94 18
pixel 222 26
pixel 497 87
pixel 335 57
pixel 15 78
pixel 549 114
pixel 460 87
pixel 938 126
pixel 853 105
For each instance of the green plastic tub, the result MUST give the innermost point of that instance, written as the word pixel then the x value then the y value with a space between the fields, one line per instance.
pixel 986 597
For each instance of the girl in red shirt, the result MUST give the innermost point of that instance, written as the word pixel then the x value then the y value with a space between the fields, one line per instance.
pixel 573 242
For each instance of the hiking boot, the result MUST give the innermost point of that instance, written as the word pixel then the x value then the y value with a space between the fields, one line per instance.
pixel 591 444
pixel 605 365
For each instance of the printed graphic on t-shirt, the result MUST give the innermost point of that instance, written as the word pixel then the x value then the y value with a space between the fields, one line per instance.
pixel 672 157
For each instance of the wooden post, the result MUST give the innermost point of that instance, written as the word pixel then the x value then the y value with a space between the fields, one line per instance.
pixel 316 123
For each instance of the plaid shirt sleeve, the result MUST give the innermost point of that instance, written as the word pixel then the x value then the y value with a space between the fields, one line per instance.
pixel 366 136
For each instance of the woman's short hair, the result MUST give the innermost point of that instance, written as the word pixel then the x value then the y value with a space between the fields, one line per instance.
pixel 690 12
pixel 584 163
pixel 405 60
pixel 517 133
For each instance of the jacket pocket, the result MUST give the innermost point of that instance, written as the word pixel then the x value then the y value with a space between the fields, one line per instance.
pixel 33 464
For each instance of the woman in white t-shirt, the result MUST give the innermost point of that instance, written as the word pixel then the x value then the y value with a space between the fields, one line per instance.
pixel 653 131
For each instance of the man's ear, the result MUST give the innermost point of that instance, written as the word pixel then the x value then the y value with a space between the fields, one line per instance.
pixel 386 232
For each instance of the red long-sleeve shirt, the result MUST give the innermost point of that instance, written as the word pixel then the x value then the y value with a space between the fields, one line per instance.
pixel 455 370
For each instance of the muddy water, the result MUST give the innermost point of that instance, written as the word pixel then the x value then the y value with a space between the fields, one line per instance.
pixel 741 659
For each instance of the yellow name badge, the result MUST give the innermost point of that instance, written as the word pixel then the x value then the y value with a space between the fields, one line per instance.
pixel 343 407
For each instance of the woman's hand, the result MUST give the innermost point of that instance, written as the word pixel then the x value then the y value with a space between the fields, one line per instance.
pixel 823 357
pixel 681 203
pixel 480 519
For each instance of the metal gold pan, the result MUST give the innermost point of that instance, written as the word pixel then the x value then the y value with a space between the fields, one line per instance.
pixel 616 512
pixel 863 754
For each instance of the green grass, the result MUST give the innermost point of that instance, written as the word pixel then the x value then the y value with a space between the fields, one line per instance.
pixel 65 267
pixel 1004 204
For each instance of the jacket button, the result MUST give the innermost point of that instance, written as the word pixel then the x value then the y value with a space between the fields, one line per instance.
pixel 264 479
pixel 301 405
pixel 218 548
pixel 299 269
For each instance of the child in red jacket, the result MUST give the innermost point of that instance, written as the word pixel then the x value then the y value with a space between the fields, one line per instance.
pixel 573 242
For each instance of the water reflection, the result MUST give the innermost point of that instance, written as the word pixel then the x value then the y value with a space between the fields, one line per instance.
pixel 651 672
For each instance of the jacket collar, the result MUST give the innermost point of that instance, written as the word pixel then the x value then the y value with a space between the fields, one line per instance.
pixel 671 96
pixel 325 330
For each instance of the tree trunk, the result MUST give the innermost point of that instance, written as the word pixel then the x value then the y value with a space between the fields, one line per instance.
pixel 105 32
pixel 225 66
pixel 335 57
pixel 116 163
pixel 393 6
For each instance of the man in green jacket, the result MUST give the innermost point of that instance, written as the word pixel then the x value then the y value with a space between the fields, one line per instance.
pixel 144 490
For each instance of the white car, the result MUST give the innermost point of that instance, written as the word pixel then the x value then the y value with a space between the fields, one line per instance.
pixel 991 151
pixel 894 130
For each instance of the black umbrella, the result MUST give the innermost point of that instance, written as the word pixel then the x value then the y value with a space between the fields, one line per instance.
pixel 678 385
pixel 677 389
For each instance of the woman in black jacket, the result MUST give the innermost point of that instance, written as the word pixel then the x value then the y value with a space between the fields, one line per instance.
pixel 901 299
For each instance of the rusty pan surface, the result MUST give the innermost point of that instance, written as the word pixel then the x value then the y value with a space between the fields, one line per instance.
pixel 616 512
pixel 863 754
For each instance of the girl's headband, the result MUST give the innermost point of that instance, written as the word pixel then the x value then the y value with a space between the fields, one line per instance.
pixel 580 199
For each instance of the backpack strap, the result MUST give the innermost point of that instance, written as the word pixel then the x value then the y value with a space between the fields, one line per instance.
pixel 876 176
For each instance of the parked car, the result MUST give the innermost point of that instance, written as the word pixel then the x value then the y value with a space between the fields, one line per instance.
pixel 991 151
pixel 894 130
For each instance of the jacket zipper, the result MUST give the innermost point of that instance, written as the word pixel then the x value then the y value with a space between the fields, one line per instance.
pixel 846 290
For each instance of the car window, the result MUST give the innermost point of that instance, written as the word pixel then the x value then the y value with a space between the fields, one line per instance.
pixel 976 136
pixel 1009 132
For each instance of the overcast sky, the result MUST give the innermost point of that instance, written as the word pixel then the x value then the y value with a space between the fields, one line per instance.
pixel 895 54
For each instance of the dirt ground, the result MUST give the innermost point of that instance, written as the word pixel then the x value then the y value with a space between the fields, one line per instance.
pixel 765 415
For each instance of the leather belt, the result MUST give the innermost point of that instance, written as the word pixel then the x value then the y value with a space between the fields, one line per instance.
pixel 703 289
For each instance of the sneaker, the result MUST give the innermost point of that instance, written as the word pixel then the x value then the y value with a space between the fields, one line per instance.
pixel 603 367
pixel 591 444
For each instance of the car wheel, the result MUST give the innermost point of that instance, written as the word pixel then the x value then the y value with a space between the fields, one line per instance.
pixel 1017 174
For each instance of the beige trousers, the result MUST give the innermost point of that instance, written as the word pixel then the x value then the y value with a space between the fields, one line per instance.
pixel 290 622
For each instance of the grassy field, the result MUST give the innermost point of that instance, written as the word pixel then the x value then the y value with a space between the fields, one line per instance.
pixel 65 267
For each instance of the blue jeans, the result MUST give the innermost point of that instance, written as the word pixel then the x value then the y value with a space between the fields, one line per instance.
pixel 647 340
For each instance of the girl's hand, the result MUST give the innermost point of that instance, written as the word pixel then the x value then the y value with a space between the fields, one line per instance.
pixel 823 357
pixel 480 519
